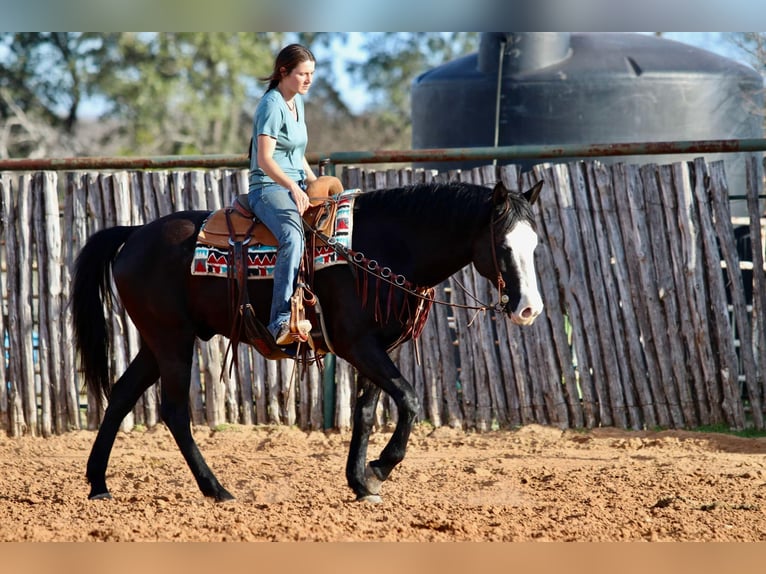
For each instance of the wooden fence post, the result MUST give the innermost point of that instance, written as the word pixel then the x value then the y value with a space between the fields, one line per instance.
pixel 635 333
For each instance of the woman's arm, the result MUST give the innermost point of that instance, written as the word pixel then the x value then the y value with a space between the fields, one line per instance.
pixel 266 147
pixel 310 175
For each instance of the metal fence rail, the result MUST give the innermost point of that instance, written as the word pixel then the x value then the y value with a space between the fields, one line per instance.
pixel 518 152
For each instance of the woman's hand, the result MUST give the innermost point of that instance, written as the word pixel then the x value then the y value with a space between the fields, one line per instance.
pixel 299 197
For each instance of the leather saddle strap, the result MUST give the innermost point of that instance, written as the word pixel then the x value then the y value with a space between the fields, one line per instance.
pixel 237 271
pixel 230 226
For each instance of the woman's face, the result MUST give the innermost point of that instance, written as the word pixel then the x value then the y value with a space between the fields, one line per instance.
pixel 299 79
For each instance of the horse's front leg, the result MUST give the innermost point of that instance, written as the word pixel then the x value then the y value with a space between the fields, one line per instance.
pixel 357 471
pixel 408 406
pixel 373 362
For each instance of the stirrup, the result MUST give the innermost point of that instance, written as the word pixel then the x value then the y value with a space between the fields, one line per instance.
pixel 298 333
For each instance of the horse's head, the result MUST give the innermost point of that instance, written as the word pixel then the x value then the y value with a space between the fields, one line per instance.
pixel 508 261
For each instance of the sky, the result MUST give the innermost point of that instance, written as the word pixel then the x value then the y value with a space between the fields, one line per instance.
pixel 385 15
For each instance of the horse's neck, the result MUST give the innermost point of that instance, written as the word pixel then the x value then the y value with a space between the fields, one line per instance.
pixel 427 251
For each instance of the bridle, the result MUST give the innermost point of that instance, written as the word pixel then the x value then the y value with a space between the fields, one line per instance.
pixel 372 267
pixel 504 298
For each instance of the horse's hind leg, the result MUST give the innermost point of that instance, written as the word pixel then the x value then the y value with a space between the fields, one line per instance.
pixel 175 375
pixel 357 474
pixel 139 376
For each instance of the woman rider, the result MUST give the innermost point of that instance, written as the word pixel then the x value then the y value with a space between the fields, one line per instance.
pixel 279 174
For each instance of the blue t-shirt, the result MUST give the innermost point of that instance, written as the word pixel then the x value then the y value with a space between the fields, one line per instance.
pixel 274 119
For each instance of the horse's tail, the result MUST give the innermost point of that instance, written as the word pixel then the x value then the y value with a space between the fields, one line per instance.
pixel 91 296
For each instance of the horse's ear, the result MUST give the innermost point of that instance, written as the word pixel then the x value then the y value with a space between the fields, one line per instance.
pixel 531 195
pixel 499 194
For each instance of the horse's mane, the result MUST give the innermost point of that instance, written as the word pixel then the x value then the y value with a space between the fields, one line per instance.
pixel 430 201
pixel 442 201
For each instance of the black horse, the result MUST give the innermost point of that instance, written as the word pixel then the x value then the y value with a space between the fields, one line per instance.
pixel 424 232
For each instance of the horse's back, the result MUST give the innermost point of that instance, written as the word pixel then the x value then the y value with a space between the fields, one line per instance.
pixel 154 262
pixel 162 238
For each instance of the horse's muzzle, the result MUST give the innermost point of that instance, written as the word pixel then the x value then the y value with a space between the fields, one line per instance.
pixel 526 314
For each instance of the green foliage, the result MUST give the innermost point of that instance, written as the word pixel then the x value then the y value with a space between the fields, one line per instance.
pixel 226 427
pixel 185 92
pixel 723 429
pixel 48 74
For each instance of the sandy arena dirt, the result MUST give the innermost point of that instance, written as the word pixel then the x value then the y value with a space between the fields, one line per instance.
pixel 535 483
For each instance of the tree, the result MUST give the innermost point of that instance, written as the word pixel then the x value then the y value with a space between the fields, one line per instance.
pixel 195 93
pixel 394 60
pixel 44 78
pixel 185 92
pixel 753 45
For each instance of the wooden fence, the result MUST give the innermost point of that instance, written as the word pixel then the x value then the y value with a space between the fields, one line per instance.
pixel 643 327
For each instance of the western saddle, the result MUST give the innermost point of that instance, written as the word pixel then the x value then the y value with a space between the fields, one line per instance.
pixel 237 222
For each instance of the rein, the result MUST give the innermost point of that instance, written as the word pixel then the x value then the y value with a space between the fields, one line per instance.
pixel 500 280
pixel 372 267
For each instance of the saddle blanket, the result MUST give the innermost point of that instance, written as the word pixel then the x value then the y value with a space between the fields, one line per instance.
pixel 213 261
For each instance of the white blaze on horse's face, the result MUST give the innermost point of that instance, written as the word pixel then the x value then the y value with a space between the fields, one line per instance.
pixel 522 241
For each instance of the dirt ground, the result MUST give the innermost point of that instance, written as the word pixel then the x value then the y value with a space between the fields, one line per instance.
pixel 535 483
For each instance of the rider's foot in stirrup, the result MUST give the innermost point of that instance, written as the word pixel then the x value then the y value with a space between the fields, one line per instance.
pixel 286 337
pixel 304 328
pixel 283 336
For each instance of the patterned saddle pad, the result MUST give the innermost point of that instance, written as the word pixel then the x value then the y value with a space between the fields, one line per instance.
pixel 214 261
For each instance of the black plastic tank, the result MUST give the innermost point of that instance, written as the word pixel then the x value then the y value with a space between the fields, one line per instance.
pixel 589 88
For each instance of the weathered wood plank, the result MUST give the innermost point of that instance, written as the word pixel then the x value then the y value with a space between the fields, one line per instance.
pixel 162 192
pixel 666 313
pixel 633 370
pixel 56 297
pixel 485 345
pixel 244 378
pixel 693 389
pixel 719 197
pixel 606 348
pixel 22 304
pixel 632 224
pixel 75 222
pixel 5 404
pixel 480 372
pixel 549 230
pixel 727 356
pixel 17 387
pixel 697 295
pixel 194 190
pixel 754 184
pixel 446 352
pixel 260 373
pixel 569 263
pixel 432 374
pixel 288 380
pixel 345 393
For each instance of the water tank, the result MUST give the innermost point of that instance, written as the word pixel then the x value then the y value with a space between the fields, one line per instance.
pixel 563 88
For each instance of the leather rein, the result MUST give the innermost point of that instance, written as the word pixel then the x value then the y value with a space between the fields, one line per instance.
pixel 372 267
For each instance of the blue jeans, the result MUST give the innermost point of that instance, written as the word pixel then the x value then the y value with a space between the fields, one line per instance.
pixel 274 206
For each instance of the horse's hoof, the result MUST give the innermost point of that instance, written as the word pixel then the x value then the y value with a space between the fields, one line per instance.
pixel 371 498
pixel 224 496
pixel 100 496
pixel 371 480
